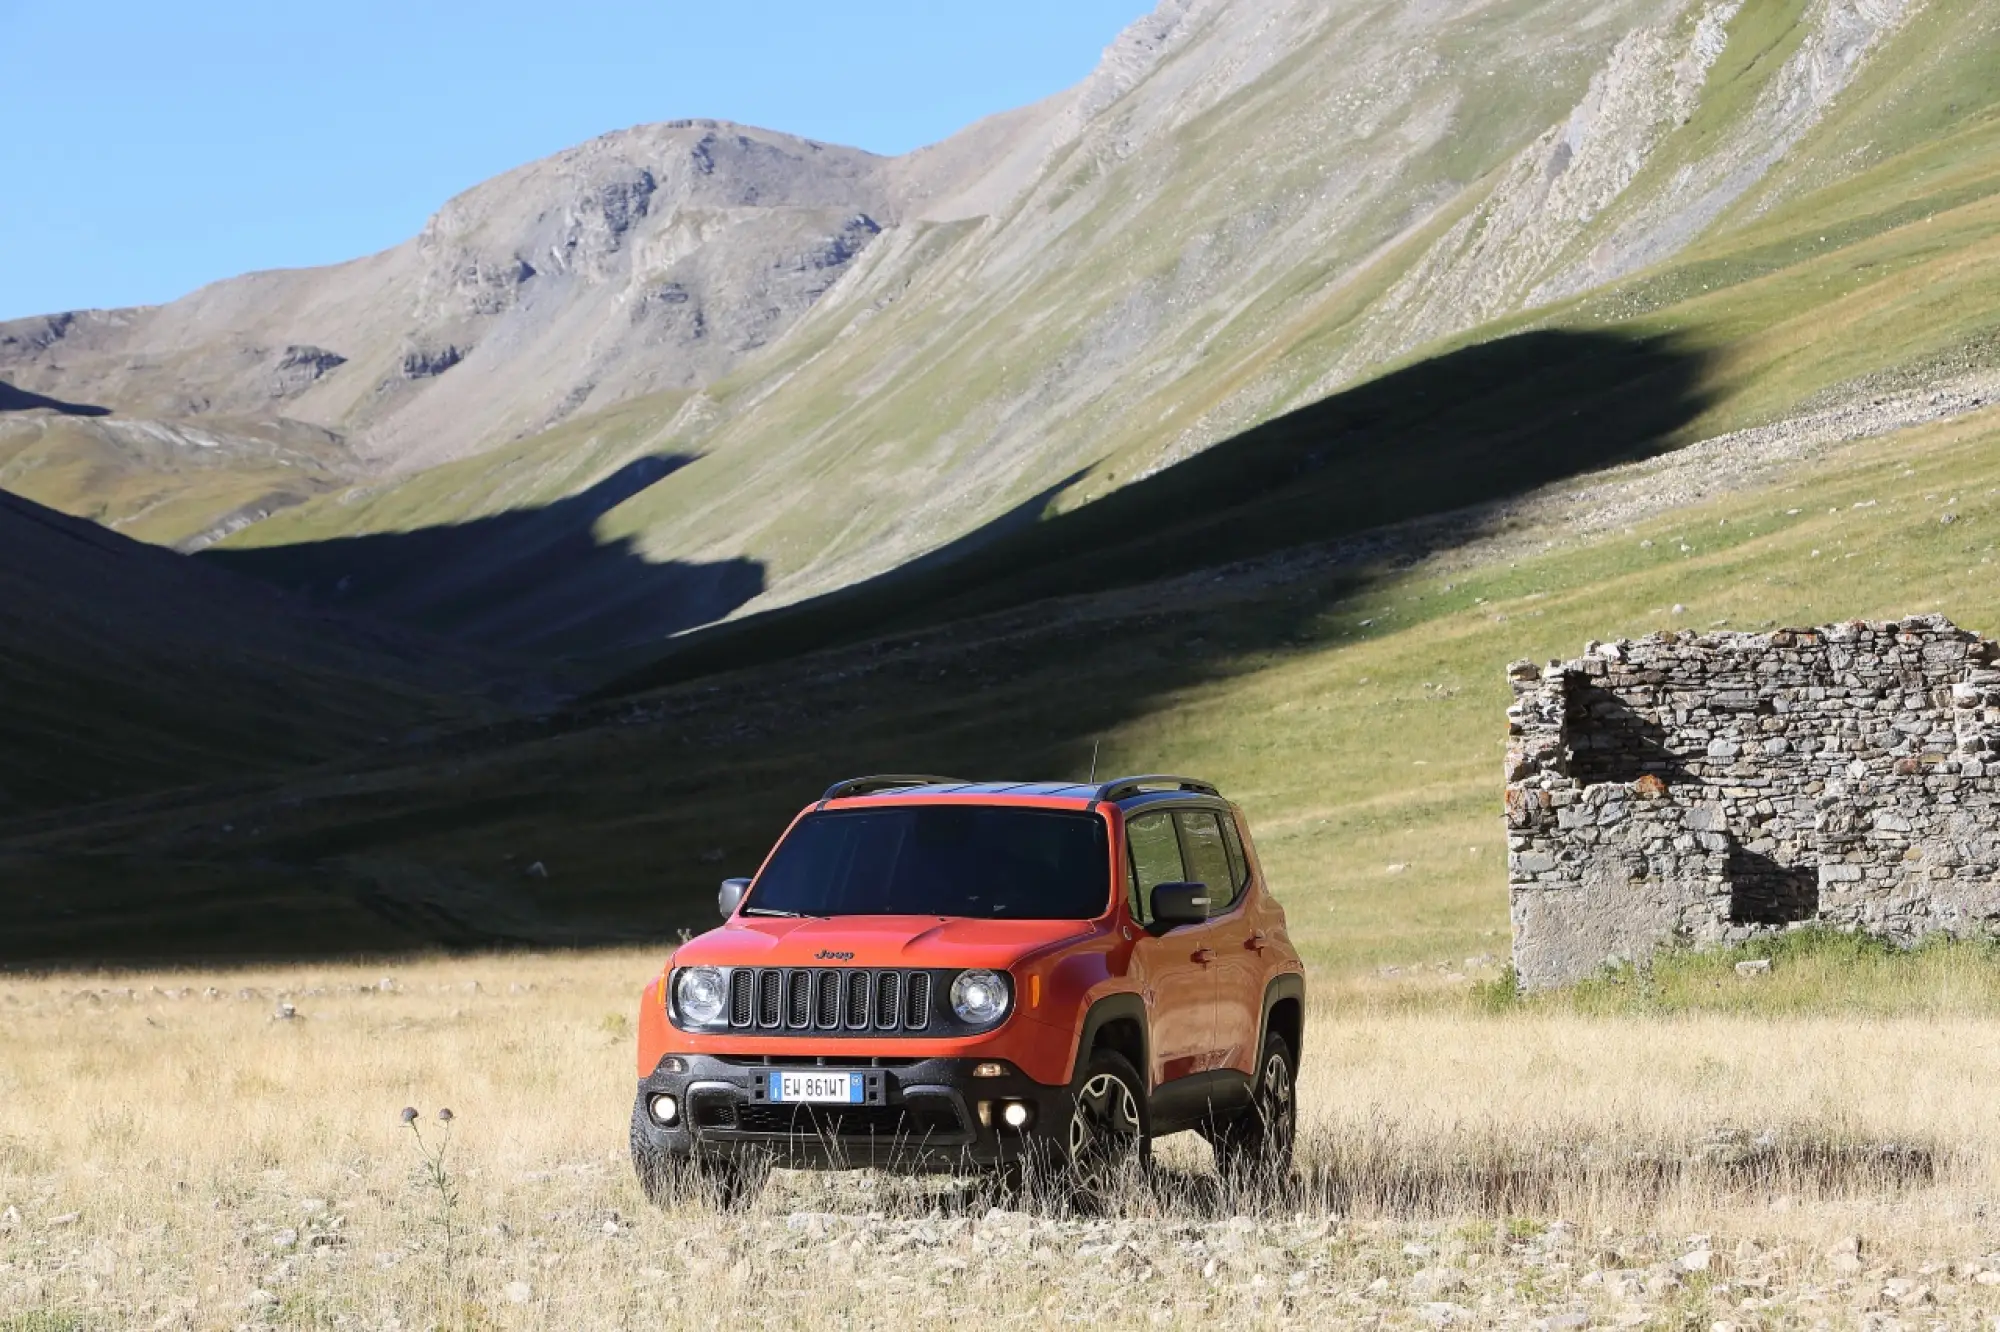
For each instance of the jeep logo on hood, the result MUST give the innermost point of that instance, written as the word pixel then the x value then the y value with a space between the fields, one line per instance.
pixel 828 955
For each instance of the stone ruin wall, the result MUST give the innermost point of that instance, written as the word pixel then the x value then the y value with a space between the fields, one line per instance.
pixel 1710 788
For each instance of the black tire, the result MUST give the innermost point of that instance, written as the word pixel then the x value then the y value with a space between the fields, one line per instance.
pixel 1255 1148
pixel 721 1180
pixel 1108 1138
pixel 653 1167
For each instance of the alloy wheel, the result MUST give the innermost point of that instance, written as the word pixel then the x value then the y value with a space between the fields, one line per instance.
pixel 1276 1108
pixel 1103 1129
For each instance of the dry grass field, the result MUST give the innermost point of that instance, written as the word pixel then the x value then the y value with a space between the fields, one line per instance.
pixel 175 1152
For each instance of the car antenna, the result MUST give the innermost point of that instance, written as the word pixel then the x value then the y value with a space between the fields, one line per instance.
pixel 1095 745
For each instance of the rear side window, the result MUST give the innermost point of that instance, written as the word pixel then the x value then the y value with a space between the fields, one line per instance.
pixel 1156 859
pixel 1207 856
pixel 1239 864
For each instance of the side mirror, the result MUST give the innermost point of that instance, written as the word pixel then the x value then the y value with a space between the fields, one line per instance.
pixel 1177 904
pixel 731 896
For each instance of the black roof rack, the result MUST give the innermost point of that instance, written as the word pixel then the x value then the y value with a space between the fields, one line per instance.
pixel 1121 787
pixel 861 786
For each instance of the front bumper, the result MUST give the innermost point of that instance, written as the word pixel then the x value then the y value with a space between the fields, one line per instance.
pixel 921 1115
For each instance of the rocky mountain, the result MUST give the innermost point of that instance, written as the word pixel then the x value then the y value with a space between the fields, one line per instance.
pixel 654 258
pixel 850 362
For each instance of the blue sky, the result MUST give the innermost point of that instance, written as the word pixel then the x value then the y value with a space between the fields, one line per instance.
pixel 153 147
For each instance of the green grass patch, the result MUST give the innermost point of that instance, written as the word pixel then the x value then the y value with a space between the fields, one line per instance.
pixel 1811 971
pixel 46 1320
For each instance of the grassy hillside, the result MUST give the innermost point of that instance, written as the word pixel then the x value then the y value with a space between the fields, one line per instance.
pixel 521 564
pixel 528 473
pixel 165 482
pixel 126 669
pixel 1122 304
pixel 1868 256
pixel 1889 278
pixel 1356 714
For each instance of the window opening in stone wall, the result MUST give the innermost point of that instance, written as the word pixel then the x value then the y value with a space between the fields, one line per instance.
pixel 1764 892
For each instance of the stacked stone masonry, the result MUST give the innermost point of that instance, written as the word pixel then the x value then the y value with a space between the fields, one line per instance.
pixel 1710 788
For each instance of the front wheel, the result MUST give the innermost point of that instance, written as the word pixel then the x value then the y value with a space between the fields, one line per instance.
pixel 721 1180
pixel 1256 1146
pixel 1106 1140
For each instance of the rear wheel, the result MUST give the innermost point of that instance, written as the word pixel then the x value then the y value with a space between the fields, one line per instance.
pixel 1256 1146
pixel 1106 1139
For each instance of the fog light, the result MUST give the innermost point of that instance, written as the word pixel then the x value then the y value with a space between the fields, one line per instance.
pixel 666 1109
pixel 1016 1114
pixel 989 1070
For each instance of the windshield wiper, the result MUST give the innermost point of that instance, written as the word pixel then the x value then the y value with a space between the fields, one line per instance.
pixel 780 913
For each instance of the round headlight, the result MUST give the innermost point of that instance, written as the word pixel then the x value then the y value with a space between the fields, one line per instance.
pixel 701 994
pixel 979 997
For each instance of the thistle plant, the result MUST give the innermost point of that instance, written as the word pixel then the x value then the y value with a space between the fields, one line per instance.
pixel 434 1173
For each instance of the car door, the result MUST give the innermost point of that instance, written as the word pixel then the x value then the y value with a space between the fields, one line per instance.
pixel 1172 968
pixel 1214 856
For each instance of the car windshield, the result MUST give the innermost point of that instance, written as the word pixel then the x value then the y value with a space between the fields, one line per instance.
pixel 983 861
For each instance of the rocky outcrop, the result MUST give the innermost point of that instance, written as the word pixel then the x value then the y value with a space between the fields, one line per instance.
pixel 1707 788
pixel 429 362
pixel 300 367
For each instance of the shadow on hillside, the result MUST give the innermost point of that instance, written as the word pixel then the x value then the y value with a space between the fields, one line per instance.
pixel 21 400
pixel 1471 428
pixel 536 581
pixel 1005 656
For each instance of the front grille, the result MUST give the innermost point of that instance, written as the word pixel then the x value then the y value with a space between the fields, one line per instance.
pixel 802 1000
pixel 857 1000
pixel 798 999
pixel 888 994
pixel 770 987
pixel 826 1000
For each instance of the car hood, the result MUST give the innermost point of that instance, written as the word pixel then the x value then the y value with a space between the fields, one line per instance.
pixel 875 941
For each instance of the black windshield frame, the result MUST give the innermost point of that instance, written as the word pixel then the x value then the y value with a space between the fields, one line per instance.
pixel 941 859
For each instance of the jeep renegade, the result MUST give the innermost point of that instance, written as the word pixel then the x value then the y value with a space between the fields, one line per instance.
pixel 930 974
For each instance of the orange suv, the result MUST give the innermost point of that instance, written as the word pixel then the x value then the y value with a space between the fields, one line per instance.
pixel 931 974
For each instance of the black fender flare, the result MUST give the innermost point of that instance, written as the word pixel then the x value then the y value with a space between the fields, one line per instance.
pixel 1289 985
pixel 1114 1008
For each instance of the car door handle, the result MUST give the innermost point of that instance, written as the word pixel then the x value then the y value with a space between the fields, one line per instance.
pixel 1257 940
pixel 1204 955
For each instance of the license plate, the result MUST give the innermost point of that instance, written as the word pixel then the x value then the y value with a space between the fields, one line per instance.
pixel 817 1088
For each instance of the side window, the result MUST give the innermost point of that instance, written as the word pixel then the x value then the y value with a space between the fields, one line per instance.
pixel 1239 864
pixel 1156 859
pixel 1207 857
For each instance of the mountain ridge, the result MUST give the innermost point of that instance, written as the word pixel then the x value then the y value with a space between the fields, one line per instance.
pixel 633 229
pixel 1247 207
